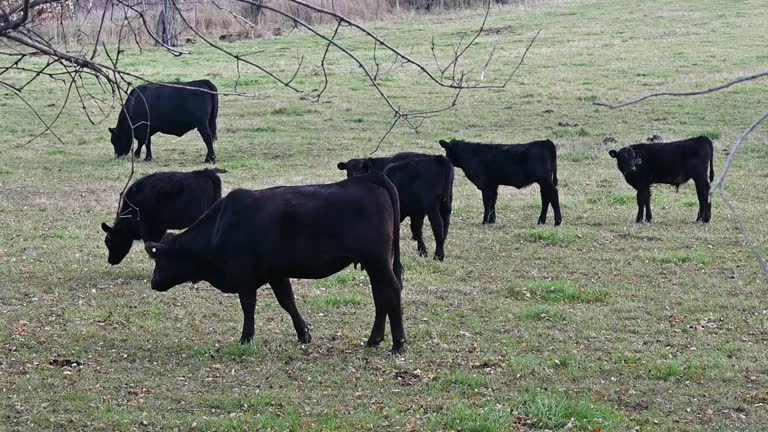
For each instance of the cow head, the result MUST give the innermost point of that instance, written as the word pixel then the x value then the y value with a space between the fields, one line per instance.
pixel 118 243
pixel 171 266
pixel 451 152
pixel 627 159
pixel 355 167
pixel 121 143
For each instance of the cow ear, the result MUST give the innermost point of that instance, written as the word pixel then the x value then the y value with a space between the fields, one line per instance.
pixel 368 165
pixel 106 228
pixel 342 166
pixel 443 143
pixel 111 130
pixel 154 250
pixel 613 153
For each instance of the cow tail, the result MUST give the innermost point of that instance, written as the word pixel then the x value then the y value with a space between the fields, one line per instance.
pixel 447 201
pixel 212 175
pixel 554 163
pixel 711 157
pixel 214 110
pixel 382 180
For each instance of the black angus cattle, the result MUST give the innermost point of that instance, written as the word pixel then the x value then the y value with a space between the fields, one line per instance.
pixel 251 238
pixel 425 188
pixel 163 108
pixel 671 163
pixel 355 167
pixel 488 166
pixel 158 202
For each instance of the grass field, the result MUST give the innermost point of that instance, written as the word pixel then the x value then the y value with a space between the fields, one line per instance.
pixel 599 324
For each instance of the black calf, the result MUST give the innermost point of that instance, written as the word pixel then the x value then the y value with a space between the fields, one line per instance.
pixel 489 165
pixel 672 163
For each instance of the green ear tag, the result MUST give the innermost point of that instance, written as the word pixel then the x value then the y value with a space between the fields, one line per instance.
pixel 638 161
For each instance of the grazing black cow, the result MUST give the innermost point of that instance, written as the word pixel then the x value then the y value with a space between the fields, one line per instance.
pixel 425 188
pixel 251 238
pixel 671 163
pixel 489 165
pixel 158 202
pixel 355 167
pixel 153 108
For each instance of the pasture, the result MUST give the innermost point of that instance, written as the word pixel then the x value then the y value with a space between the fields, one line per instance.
pixel 599 324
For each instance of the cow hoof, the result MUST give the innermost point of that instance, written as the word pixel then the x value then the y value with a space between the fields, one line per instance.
pixel 305 338
pixel 244 340
pixel 398 347
pixel 211 160
pixel 422 253
pixel 374 342
pixel 148 159
pixel 439 257
pixel 558 222
pixel 541 222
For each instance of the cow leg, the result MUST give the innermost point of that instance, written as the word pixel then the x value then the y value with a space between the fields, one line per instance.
pixel 436 221
pixel 148 156
pixel 546 198
pixel 417 224
pixel 284 294
pixel 644 203
pixel 445 213
pixel 387 299
pixel 640 205
pixel 555 202
pixel 248 304
pixel 705 206
pixel 137 152
pixel 207 135
pixel 489 203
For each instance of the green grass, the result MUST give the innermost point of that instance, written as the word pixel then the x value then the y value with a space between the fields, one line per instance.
pixel 522 327
pixel 558 291
pixel 556 411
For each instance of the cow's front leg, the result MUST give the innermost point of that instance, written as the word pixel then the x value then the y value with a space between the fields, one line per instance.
pixel 644 204
pixel 284 294
pixel 148 156
pixel 248 304
pixel 137 152
pixel 489 204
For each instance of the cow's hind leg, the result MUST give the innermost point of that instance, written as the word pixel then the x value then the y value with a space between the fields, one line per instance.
pixel 207 135
pixel 436 221
pixel 705 206
pixel 248 304
pixel 386 298
pixel 284 294
pixel 546 199
pixel 417 230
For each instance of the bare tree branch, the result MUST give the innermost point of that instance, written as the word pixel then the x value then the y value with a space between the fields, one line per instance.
pixel 688 93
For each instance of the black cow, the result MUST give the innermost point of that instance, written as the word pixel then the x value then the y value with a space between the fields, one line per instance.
pixel 672 163
pixel 153 108
pixel 251 238
pixel 489 165
pixel 425 188
pixel 355 167
pixel 158 202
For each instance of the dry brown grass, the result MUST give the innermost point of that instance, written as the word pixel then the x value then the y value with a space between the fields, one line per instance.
pixel 229 20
